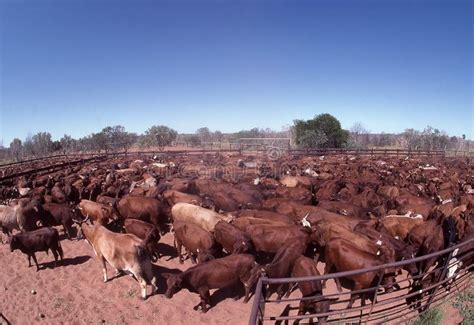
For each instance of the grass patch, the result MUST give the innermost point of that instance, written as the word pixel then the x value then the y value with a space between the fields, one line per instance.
pixel 430 317
pixel 464 302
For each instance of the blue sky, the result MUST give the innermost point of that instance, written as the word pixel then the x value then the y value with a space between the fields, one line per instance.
pixel 76 66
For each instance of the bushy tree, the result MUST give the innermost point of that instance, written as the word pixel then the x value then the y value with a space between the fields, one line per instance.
pixel 204 134
pixel 159 136
pixel 429 139
pixel 117 137
pixel 313 138
pixel 98 142
pixel 42 143
pixel 16 148
pixel 218 136
pixel 321 124
pixel 68 144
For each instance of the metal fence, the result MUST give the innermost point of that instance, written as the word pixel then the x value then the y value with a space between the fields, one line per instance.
pixel 46 168
pixel 415 295
pixel 32 166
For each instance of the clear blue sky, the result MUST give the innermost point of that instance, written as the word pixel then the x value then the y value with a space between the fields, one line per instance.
pixel 76 66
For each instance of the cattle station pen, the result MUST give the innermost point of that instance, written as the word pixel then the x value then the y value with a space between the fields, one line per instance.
pixel 452 277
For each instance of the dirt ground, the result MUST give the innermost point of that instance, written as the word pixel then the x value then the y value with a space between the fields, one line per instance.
pixel 73 293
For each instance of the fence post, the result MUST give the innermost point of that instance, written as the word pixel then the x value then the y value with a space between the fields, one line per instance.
pixel 381 274
pixel 261 305
pixel 440 278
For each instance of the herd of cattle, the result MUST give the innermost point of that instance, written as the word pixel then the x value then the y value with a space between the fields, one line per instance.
pixel 240 218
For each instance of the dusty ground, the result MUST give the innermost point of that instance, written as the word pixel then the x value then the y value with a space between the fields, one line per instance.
pixel 73 293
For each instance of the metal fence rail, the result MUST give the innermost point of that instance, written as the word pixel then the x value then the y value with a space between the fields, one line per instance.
pixel 49 168
pixel 446 279
pixel 241 149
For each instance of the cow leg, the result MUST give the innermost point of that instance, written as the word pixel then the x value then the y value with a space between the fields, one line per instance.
pixel 55 254
pixel 178 248
pixel 353 298
pixel 67 231
pixel 293 288
pixel 327 269
pixel 142 287
pixel 29 261
pixel 36 261
pixel 247 291
pixel 154 285
pixel 104 268
pixel 338 284
pixel 205 299
pixel 282 289
pixel 301 311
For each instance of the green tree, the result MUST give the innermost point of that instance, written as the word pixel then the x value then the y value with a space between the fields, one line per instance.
pixel 204 134
pixel 159 136
pixel 42 143
pixel 117 137
pixel 67 144
pixel 305 132
pixel 15 149
pixel 98 142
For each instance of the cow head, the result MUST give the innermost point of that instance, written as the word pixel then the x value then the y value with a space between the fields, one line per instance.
pixel 174 283
pixel 255 273
pixel 317 236
pixel 408 254
pixel 204 256
pixel 243 247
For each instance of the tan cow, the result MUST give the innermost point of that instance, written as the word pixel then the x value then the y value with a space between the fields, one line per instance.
pixel 97 212
pixel 202 217
pixel 124 252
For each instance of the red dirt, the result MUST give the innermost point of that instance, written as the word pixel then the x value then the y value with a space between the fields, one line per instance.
pixel 75 294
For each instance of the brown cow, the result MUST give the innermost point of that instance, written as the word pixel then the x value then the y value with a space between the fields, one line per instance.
pixel 341 255
pixel 232 239
pixel 268 239
pixel 58 194
pixel 263 214
pixel 145 230
pixel 280 267
pixel 213 274
pixel 324 231
pixel 144 208
pixel 243 222
pixel 305 267
pixel 58 214
pixel 399 226
pixel 43 239
pixel 199 243
pixel 172 197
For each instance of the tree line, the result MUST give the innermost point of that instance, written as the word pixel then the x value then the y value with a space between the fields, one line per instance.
pixel 322 131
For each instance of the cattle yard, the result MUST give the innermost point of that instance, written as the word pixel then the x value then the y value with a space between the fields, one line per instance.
pixel 394 227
